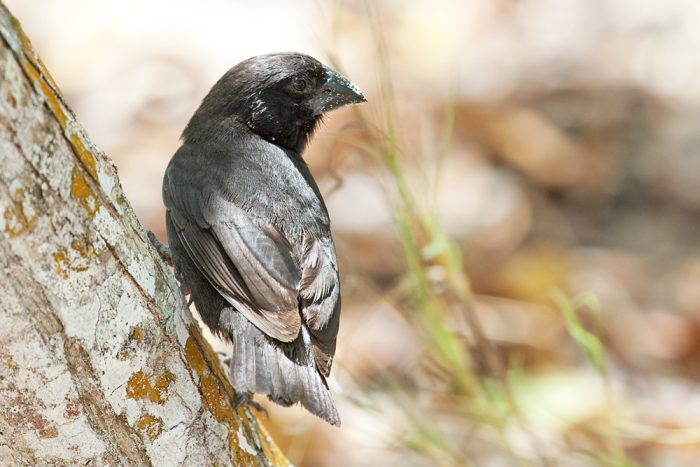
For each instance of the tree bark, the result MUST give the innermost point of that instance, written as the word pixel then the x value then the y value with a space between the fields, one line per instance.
pixel 101 363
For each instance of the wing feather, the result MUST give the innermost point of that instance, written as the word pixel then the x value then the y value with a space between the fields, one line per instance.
pixel 250 267
pixel 320 294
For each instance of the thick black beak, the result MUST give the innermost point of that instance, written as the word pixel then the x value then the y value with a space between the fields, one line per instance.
pixel 336 91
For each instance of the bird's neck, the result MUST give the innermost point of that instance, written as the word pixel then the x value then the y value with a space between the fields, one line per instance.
pixel 294 138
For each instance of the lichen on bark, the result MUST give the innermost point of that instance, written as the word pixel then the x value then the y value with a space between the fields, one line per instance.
pixel 100 360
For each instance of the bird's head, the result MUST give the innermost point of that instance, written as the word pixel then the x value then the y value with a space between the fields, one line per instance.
pixel 281 97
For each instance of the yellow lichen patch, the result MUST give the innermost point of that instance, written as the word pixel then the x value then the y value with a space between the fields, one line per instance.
pixel 194 356
pixel 11 363
pixel 270 449
pixel 207 354
pixel 84 154
pixel 137 334
pixel 82 246
pixel 26 44
pixel 30 54
pixel 37 73
pixel 140 387
pixel 149 427
pixel 214 401
pixel 80 190
pixel 51 98
pixel 60 260
pixel 17 220
pixel 214 397
pixel 76 259
pixel 217 395
pixel 160 388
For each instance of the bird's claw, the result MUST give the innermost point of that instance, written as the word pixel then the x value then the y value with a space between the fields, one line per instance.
pixel 162 250
pixel 183 288
pixel 245 399
pixel 167 258
pixel 224 359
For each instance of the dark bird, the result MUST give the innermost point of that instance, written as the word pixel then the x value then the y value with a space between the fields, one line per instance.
pixel 248 229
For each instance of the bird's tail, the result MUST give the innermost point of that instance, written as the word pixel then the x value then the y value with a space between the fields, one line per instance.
pixel 286 373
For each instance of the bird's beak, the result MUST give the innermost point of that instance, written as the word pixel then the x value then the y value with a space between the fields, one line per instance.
pixel 336 91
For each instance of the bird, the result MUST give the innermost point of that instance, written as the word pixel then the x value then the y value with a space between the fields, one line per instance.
pixel 249 232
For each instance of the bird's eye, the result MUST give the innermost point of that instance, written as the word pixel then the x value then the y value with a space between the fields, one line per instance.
pixel 299 85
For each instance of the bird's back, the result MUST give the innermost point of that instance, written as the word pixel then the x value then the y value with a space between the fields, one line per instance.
pixel 205 187
pixel 249 232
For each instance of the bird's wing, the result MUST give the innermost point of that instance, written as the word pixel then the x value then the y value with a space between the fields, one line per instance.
pixel 320 296
pixel 250 265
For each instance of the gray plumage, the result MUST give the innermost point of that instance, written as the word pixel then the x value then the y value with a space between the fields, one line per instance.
pixel 249 232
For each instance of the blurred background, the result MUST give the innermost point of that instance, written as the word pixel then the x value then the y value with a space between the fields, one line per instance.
pixel 516 209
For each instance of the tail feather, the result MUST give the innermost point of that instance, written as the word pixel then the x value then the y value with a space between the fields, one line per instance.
pixel 285 372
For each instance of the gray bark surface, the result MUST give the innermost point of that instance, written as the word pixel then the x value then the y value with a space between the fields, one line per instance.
pixel 100 361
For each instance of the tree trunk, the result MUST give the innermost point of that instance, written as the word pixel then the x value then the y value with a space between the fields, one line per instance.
pixel 101 363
